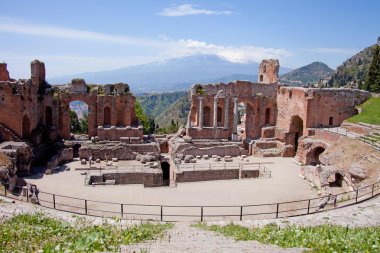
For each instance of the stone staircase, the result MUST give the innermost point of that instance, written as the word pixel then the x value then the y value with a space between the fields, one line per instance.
pixel 372 139
pixel 8 135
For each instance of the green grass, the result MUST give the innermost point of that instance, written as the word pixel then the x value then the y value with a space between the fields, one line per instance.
pixel 38 233
pixel 324 238
pixel 370 112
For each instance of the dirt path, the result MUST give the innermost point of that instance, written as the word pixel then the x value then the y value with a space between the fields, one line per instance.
pixel 184 238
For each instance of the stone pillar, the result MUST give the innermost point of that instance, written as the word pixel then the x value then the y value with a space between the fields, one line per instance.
pixel 200 114
pixel 236 115
pixel 188 125
pixel 215 116
pixel 226 111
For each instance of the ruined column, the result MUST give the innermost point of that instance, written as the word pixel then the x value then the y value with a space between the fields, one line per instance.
pixel 188 125
pixel 226 110
pixel 200 114
pixel 215 118
pixel 236 115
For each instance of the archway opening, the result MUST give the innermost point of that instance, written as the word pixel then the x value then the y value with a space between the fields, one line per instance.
pixel 48 116
pixel 165 166
pixel 25 127
pixel 78 117
pixel 296 129
pixel 313 156
pixel 107 116
pixel 267 116
pixel 76 148
pixel 206 116
pixel 219 116
pixel 261 78
pixel 338 180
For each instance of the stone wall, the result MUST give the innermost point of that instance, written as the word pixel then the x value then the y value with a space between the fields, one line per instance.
pixel 206 175
pixel 20 154
pixel 147 178
pixel 33 109
pixel 115 133
pixel 64 155
pixel 268 71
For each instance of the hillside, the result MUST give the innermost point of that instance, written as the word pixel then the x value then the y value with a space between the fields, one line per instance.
pixel 370 112
pixel 354 70
pixel 309 74
pixel 177 111
pixel 174 74
pixel 155 103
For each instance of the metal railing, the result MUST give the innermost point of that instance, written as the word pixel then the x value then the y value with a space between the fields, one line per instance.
pixel 192 212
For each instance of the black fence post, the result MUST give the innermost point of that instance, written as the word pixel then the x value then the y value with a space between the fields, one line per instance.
pixel 5 190
pixel 27 195
pixel 162 214
pixel 357 193
pixel 373 188
pixel 54 201
pixel 278 205
pixel 122 210
pixel 85 206
pixel 241 213
pixel 308 207
pixel 201 213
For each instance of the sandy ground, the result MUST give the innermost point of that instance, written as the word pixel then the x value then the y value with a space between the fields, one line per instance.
pixel 284 185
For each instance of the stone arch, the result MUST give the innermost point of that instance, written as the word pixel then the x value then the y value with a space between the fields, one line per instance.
pixel 295 130
pixel 107 116
pixel 261 78
pixel 312 157
pixel 25 126
pixel 48 116
pixel 206 116
pixel 267 116
pixel 338 180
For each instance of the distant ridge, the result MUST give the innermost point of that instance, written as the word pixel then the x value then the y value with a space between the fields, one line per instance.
pixel 171 75
pixel 309 74
pixel 354 70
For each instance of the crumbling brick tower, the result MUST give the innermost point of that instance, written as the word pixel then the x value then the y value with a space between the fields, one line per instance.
pixel 268 71
pixel 4 74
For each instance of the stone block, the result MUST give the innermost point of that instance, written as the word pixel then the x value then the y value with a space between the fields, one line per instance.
pixel 114 159
pixel 83 162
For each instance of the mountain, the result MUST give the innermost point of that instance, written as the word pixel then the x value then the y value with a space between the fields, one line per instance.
pixel 354 70
pixel 177 112
pixel 309 74
pixel 155 103
pixel 169 75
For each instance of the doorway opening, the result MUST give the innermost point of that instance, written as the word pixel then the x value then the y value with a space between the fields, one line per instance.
pixel 76 150
pixel 338 181
pixel 165 166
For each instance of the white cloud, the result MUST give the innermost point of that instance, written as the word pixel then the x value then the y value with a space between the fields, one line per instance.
pixel 189 9
pixel 343 51
pixel 158 49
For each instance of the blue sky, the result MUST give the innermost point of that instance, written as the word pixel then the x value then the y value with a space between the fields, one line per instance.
pixel 82 36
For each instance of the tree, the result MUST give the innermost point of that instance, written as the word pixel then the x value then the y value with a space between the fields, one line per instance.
pixel 74 122
pixel 143 118
pixel 84 123
pixel 372 82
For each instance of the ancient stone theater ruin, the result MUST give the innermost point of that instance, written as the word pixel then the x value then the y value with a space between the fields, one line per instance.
pixel 228 125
